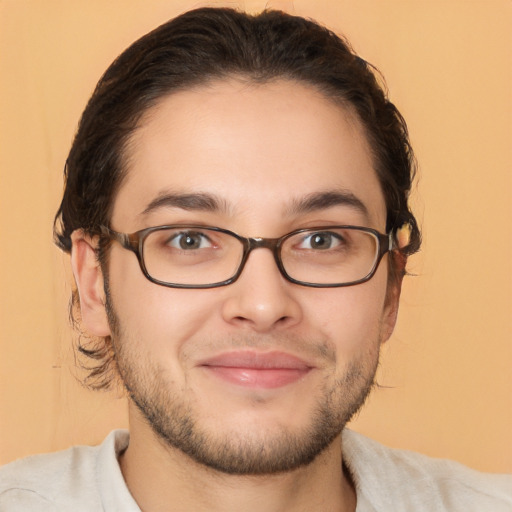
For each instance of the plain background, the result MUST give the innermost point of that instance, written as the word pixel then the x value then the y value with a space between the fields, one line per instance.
pixel 446 372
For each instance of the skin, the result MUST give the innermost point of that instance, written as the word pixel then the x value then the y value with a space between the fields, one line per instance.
pixel 259 149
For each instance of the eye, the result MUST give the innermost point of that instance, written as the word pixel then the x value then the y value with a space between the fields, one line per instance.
pixel 320 240
pixel 190 240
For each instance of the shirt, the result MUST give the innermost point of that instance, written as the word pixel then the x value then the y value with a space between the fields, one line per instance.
pixel 85 478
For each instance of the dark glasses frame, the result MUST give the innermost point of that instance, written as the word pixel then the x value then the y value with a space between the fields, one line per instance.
pixel 135 242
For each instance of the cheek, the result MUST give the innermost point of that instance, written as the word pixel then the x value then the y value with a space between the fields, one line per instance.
pixel 155 316
pixel 351 317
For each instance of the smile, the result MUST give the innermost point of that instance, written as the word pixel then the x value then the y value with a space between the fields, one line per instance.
pixel 257 370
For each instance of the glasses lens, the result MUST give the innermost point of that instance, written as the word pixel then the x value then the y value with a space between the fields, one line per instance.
pixel 191 255
pixel 332 256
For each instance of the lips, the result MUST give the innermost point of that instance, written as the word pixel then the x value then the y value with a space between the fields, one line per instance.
pixel 257 370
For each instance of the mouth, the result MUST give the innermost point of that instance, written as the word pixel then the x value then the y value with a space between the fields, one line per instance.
pixel 257 370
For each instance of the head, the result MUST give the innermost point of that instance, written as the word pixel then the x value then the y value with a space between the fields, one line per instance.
pixel 213 56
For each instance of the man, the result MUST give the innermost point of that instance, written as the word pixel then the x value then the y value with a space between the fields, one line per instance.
pixel 237 218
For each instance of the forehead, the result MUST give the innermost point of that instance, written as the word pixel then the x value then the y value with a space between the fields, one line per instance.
pixel 258 149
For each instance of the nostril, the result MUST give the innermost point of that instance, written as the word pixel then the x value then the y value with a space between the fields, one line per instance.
pixel 286 322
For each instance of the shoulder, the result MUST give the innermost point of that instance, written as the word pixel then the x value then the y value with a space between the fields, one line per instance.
pixel 53 481
pixel 404 480
pixel 39 482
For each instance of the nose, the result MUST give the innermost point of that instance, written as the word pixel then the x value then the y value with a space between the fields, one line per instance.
pixel 261 299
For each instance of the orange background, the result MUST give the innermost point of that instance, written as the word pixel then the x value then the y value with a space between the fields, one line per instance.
pixel 447 369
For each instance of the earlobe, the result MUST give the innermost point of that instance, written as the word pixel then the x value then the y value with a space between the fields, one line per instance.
pixel 390 315
pixel 90 284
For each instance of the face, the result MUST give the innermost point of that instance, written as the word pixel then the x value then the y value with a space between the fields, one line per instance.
pixel 261 375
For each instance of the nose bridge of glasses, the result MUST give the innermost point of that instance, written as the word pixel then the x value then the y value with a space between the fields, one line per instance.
pixel 263 243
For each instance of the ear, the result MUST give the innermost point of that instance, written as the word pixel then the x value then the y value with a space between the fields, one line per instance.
pixel 89 280
pixel 390 313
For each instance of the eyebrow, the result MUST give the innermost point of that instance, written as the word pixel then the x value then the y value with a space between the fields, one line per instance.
pixel 201 201
pixel 328 199
pixel 198 201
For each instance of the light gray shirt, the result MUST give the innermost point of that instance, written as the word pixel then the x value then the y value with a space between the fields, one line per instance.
pixel 86 478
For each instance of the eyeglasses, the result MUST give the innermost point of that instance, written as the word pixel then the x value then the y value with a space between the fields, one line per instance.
pixel 194 256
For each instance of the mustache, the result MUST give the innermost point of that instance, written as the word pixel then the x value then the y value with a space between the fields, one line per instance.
pixel 320 349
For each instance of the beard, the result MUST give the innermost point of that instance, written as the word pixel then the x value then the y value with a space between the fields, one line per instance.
pixel 251 451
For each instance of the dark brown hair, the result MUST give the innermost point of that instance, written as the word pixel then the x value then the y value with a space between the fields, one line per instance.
pixel 214 43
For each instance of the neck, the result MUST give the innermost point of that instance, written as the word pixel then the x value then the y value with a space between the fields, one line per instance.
pixel 163 479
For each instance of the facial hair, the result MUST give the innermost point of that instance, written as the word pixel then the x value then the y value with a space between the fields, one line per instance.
pixel 177 424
